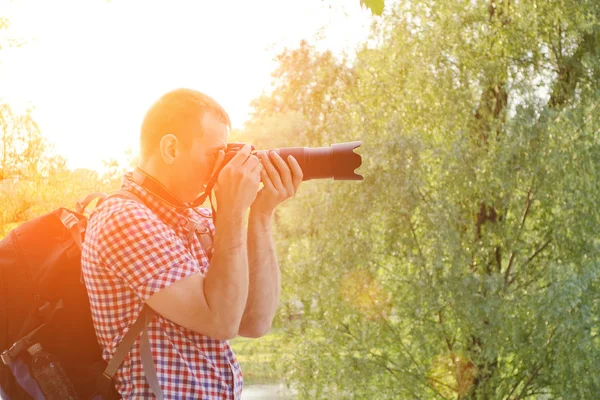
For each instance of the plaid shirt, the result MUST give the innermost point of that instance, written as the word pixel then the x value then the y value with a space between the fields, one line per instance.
pixel 130 252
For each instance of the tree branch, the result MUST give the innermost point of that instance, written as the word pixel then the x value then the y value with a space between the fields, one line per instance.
pixel 531 378
pixel 533 256
pixel 537 252
pixel 416 240
pixel 449 344
pixel 412 358
pixel 528 202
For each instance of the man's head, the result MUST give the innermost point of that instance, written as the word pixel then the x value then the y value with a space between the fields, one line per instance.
pixel 180 140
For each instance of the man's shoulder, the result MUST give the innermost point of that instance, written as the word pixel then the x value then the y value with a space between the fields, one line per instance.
pixel 118 211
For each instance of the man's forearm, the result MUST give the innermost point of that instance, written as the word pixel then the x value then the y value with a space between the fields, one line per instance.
pixel 264 277
pixel 226 282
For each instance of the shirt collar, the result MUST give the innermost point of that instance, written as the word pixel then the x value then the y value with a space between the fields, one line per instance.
pixel 171 215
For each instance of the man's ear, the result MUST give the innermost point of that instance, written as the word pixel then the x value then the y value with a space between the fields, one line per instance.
pixel 168 148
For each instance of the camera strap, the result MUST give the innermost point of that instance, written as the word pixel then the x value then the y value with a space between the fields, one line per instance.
pixel 156 188
pixel 159 191
pixel 208 193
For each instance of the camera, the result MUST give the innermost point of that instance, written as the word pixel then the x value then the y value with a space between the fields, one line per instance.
pixel 337 161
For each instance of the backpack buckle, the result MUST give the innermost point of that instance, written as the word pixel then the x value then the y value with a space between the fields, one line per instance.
pixel 68 219
pixel 6 358
pixel 16 349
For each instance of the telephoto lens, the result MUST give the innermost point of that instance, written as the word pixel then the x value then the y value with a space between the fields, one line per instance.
pixel 337 161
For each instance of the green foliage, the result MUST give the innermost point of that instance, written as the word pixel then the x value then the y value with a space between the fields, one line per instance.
pixel 376 6
pixel 32 180
pixel 258 358
pixel 466 265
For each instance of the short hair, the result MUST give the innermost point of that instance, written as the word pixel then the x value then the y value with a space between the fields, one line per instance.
pixel 174 113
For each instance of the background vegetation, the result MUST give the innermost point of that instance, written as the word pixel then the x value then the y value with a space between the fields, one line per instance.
pixel 465 266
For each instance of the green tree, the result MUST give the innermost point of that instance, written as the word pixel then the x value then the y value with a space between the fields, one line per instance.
pixel 376 6
pixel 466 265
pixel 34 180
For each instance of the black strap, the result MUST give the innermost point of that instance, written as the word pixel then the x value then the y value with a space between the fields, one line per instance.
pixel 128 340
pixel 147 360
pixel 153 186
pixel 76 228
pixel 74 225
pixel 26 341
pixel 139 326
pixel 81 205
pixel 126 194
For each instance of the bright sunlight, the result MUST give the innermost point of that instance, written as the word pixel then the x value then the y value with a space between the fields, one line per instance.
pixel 91 69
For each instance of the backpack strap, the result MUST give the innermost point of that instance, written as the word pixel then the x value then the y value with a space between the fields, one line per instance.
pixel 75 226
pixel 140 326
pixel 203 234
pixel 47 312
pixel 147 360
pixel 81 205
pixel 120 194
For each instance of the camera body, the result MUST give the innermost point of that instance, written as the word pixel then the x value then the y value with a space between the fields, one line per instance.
pixel 232 149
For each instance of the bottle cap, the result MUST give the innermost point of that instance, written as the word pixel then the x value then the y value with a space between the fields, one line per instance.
pixel 34 349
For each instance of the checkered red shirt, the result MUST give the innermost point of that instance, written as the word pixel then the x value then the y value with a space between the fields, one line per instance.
pixel 130 252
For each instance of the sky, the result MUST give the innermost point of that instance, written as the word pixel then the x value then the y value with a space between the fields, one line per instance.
pixel 90 69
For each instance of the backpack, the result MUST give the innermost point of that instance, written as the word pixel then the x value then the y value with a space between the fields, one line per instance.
pixel 43 299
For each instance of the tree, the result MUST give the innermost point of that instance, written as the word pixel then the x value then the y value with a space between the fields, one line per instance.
pixel 22 144
pixel 466 265
pixel 33 180
pixel 376 6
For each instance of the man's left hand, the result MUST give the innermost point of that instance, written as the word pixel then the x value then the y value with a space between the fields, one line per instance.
pixel 280 182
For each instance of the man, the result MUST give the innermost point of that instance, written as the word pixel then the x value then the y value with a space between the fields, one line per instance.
pixel 149 253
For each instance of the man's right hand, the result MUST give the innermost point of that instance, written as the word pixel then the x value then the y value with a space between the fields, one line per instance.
pixel 238 181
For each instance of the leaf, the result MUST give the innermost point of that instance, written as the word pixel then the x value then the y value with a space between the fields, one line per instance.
pixel 376 6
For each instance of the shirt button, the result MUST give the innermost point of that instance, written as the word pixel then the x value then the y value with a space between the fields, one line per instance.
pixel 182 221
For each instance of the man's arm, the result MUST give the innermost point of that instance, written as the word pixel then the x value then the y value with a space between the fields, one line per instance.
pixel 264 277
pixel 212 304
pixel 281 181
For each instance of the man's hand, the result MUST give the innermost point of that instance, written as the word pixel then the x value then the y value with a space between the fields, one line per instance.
pixel 238 182
pixel 280 182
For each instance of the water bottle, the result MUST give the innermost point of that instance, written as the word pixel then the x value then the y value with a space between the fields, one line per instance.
pixel 50 376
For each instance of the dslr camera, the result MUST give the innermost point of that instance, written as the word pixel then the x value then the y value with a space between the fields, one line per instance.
pixel 337 161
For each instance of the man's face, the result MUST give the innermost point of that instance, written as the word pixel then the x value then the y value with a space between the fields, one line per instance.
pixel 196 161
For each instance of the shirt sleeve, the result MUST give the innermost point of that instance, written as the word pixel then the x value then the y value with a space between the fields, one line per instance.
pixel 137 247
